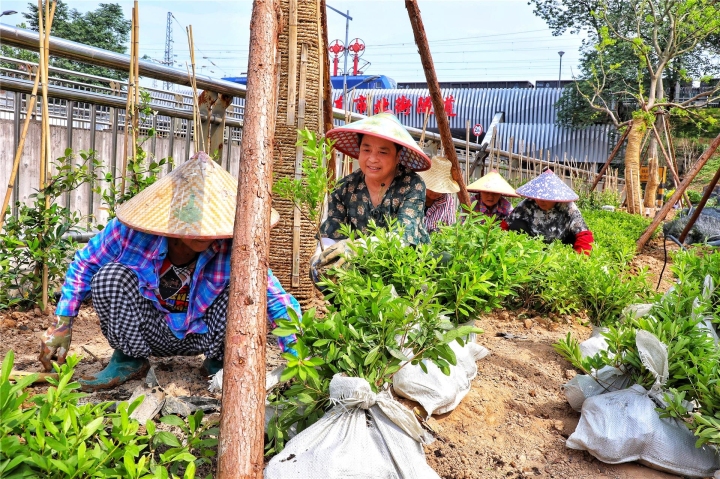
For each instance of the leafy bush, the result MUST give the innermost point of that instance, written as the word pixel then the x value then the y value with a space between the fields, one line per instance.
pixel 616 232
pixel 370 331
pixel 36 237
pixel 592 284
pixel 50 435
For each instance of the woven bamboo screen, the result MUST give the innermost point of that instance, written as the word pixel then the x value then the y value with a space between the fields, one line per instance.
pixel 281 238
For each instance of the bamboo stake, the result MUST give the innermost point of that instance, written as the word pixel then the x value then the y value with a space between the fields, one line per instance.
pixel 128 103
pixel 136 77
pixel 240 450
pixel 295 274
pixel 199 140
pixel 434 88
pixel 421 143
pixel 292 62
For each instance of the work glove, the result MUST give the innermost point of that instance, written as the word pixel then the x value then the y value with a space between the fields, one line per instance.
pixel 56 340
pixel 334 255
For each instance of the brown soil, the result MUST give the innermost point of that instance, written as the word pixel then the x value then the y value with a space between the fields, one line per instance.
pixel 513 423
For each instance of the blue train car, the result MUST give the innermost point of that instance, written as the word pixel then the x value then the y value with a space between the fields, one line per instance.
pixel 360 82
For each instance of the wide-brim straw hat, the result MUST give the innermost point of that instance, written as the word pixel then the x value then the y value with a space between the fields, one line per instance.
pixel 548 187
pixel 195 201
pixel 382 125
pixel 493 183
pixel 439 177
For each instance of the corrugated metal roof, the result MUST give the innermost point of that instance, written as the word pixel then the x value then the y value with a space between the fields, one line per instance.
pixel 530 115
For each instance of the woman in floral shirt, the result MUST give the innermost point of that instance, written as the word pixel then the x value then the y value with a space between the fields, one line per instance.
pixel 548 210
pixel 385 187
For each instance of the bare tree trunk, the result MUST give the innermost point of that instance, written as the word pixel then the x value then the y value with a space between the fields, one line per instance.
pixel 437 100
pixel 632 167
pixel 240 452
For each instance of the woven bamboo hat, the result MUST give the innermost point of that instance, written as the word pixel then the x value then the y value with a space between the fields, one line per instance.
pixel 196 200
pixel 493 183
pixel 548 187
pixel 439 178
pixel 382 125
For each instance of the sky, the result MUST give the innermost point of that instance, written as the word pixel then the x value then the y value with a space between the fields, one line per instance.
pixel 471 40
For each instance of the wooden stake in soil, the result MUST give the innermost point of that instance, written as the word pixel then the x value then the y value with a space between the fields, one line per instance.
pixel 295 276
pixel 700 206
pixel 434 88
pixel 128 104
pixel 240 451
pixel 669 162
pixel 660 216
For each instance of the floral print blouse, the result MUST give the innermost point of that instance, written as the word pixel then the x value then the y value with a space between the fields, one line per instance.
pixel 562 222
pixel 404 200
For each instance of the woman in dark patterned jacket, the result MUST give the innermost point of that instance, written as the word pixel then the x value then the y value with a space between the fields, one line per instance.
pixel 385 187
pixel 548 210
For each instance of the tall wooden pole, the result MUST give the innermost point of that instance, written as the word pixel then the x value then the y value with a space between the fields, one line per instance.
pixel 240 451
pixel 660 216
pixel 327 104
pixel 436 95
pixel 698 209
pixel 600 175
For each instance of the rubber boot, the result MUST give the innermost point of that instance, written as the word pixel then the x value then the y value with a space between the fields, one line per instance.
pixel 211 366
pixel 120 369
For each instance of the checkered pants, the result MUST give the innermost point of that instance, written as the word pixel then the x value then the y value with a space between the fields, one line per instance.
pixel 132 324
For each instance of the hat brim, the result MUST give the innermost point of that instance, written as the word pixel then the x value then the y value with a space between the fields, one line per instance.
pixel 347 142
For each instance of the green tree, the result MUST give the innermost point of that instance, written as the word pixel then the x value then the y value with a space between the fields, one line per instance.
pixel 633 48
pixel 105 27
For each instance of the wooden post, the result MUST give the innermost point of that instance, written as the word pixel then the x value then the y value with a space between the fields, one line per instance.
pixel 467 151
pixel 600 175
pixel 292 64
pixel 436 95
pixel 295 275
pixel 660 216
pixel 700 206
pixel 327 104
pixel 242 428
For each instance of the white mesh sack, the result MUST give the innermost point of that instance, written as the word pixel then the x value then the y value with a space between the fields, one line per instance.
pixel 623 426
pixel 595 343
pixel 435 391
pixel 583 386
pixel 364 436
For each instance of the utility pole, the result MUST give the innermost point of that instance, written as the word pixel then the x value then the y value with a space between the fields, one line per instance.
pixel 345 70
pixel 168 48
pixel 242 425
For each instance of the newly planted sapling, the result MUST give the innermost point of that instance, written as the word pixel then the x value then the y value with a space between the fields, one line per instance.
pixel 308 194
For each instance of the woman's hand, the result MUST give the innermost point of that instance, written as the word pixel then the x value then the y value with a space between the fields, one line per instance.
pixel 56 340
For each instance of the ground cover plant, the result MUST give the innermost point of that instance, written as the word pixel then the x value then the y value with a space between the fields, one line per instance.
pixel 52 435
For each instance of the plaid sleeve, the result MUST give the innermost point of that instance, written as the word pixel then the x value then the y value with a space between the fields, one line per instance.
pixel 278 303
pixel 102 248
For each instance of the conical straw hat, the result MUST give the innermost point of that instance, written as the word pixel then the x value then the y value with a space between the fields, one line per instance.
pixel 439 178
pixel 196 200
pixel 382 125
pixel 548 187
pixel 493 183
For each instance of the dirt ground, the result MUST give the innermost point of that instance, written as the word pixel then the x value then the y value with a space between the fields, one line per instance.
pixel 513 423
